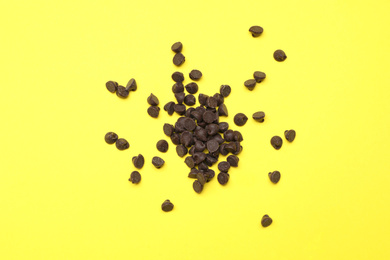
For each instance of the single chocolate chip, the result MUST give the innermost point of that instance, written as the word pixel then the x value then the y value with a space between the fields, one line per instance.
pixel 122 92
pixel 180 109
pixel 169 107
pixel 209 174
pixel 138 161
pixel 220 99
pixel 162 146
pixel 202 98
pixel 276 142
pixel 201 134
pixel 238 151
pixel 178 77
pixel 195 74
pixel 223 178
pixel 199 157
pixel 240 119
pixel 157 162
pixel 212 129
pixel 189 111
pixel 189 161
pixel 223 127
pixel 212 146
pixel 224 166
pixel 111 137
pixel 201 178
pixel 187 139
pixel 122 144
pixel 177 47
pixel 208 117
pixel 211 102
pixel 225 90
pixel 228 135
pixel 222 149
pixel 232 160
pixel 131 85
pixel 250 84
pixel 279 55
pixel 259 116
pixel 175 138
pixel 189 100
pixel 181 150
pixel 218 138
pixel 231 147
pixel 256 30
pixel 238 136
pixel 193 173
pixel 180 97
pixel 153 100
pixel 192 150
pixel 112 86
pixel 197 186
pixel 192 88
pixel 177 87
pixel 153 111
pixel 178 59
pixel 199 146
pixel 266 221
pixel 135 177
pixel 290 135
pixel 168 129
pixel 259 76
pixel 189 124
pixel 222 110
pixel 167 206
pixel 274 176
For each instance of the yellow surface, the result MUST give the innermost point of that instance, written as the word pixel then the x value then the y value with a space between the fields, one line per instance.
pixel 64 191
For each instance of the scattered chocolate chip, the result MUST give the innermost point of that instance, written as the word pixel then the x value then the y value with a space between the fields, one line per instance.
pixel 181 150
pixel 157 162
pixel 178 77
pixel 177 47
pixel 259 76
pixel 112 86
pixel 162 146
pixel 250 84
pixel 225 90
pixel 111 137
pixel 240 119
pixel 279 55
pixel 195 74
pixel 256 30
pixel 276 142
pixel 290 135
pixel 266 221
pixel 153 100
pixel 167 206
pixel 232 160
pixel 153 111
pixel 138 161
pixel 122 144
pixel 192 88
pixel 178 59
pixel 258 116
pixel 135 177
pixel 197 186
pixel 223 178
pixel 274 176
pixel 131 85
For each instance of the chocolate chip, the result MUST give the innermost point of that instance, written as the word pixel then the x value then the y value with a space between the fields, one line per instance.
pixel 157 162
pixel 223 127
pixel 167 206
pixel 290 135
pixel 222 149
pixel 189 100
pixel 240 119
pixel 259 76
pixel 223 178
pixel 232 160
pixel 238 136
pixel 250 84
pixel 276 142
pixel 228 135
pixel 224 166
pixel 266 221
pixel 199 146
pixel 111 137
pixel 210 160
pixel 169 107
pixel 211 102
pixel 202 98
pixel 193 173
pixel 218 138
pixel 212 146
pixel 131 85
pixel 195 74
pixel 208 117
pixel 225 90
pixel 189 124
pixel 187 139
pixel 153 111
pixel 181 150
pixel 135 177
pixel 212 129
pixel 162 146
pixel 122 92
pixel 180 109
pixel 197 186
pixel 178 59
pixel 199 157
pixel 189 161
pixel 175 138
pixel 274 176
pixel 256 30
pixel 222 110
pixel 153 100
pixel 177 47
pixel 279 55
pixel 201 134
pixel 138 161
pixel 112 86
pixel 258 116
pixel 168 129
pixel 180 97
pixel 122 144
pixel 209 174
pixel 192 88
pixel 177 87
pixel 178 77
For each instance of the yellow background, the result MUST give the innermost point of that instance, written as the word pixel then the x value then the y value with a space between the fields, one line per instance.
pixel 64 191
